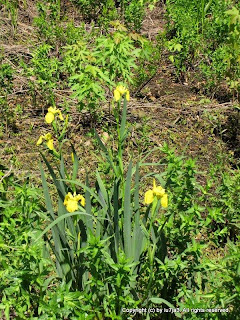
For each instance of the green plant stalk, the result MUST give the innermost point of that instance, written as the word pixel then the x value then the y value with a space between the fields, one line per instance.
pixel 120 145
pixel 151 254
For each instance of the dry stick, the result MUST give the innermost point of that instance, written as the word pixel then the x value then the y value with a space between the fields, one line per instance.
pixel 15 93
pixel 144 84
pixel 223 106
pixel 6 174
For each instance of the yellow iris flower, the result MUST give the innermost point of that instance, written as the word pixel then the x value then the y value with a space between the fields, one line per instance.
pixel 164 200
pixel 120 91
pixel 49 140
pixel 71 201
pixel 156 191
pixel 50 116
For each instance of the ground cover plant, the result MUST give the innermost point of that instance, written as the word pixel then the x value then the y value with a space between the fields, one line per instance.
pixel 119 184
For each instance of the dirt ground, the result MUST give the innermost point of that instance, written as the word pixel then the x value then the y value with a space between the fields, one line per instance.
pixel 164 110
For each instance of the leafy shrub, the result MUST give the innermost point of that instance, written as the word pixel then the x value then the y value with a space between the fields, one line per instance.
pixel 223 211
pixel 148 61
pixel 48 21
pixel 96 69
pixel 96 10
pixel 218 288
pixel 92 68
pixel 202 36
pixel 23 269
pixel 43 73
pixel 132 12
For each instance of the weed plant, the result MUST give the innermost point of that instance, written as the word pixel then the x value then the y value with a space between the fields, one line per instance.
pixel 12 9
pixel 203 36
pixel 131 12
pixel 6 88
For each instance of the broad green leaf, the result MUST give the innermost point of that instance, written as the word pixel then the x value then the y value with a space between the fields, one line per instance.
pixel 88 208
pixel 123 120
pixel 107 155
pixel 75 163
pixel 58 236
pixel 118 244
pixel 127 214
pixel 59 219
pixel 163 301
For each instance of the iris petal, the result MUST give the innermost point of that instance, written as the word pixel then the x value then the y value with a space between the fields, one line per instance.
pixel 48 136
pixel 117 95
pixel 71 201
pixel 148 197
pixel 72 205
pixel 121 90
pixel 159 191
pixel 154 184
pixel 60 115
pixel 49 117
pixel 83 201
pixel 50 144
pixel 52 110
pixel 164 200
pixel 40 140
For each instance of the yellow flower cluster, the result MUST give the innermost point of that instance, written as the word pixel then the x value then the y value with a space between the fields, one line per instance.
pixel 50 116
pixel 120 91
pixel 158 192
pixel 49 140
pixel 71 201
